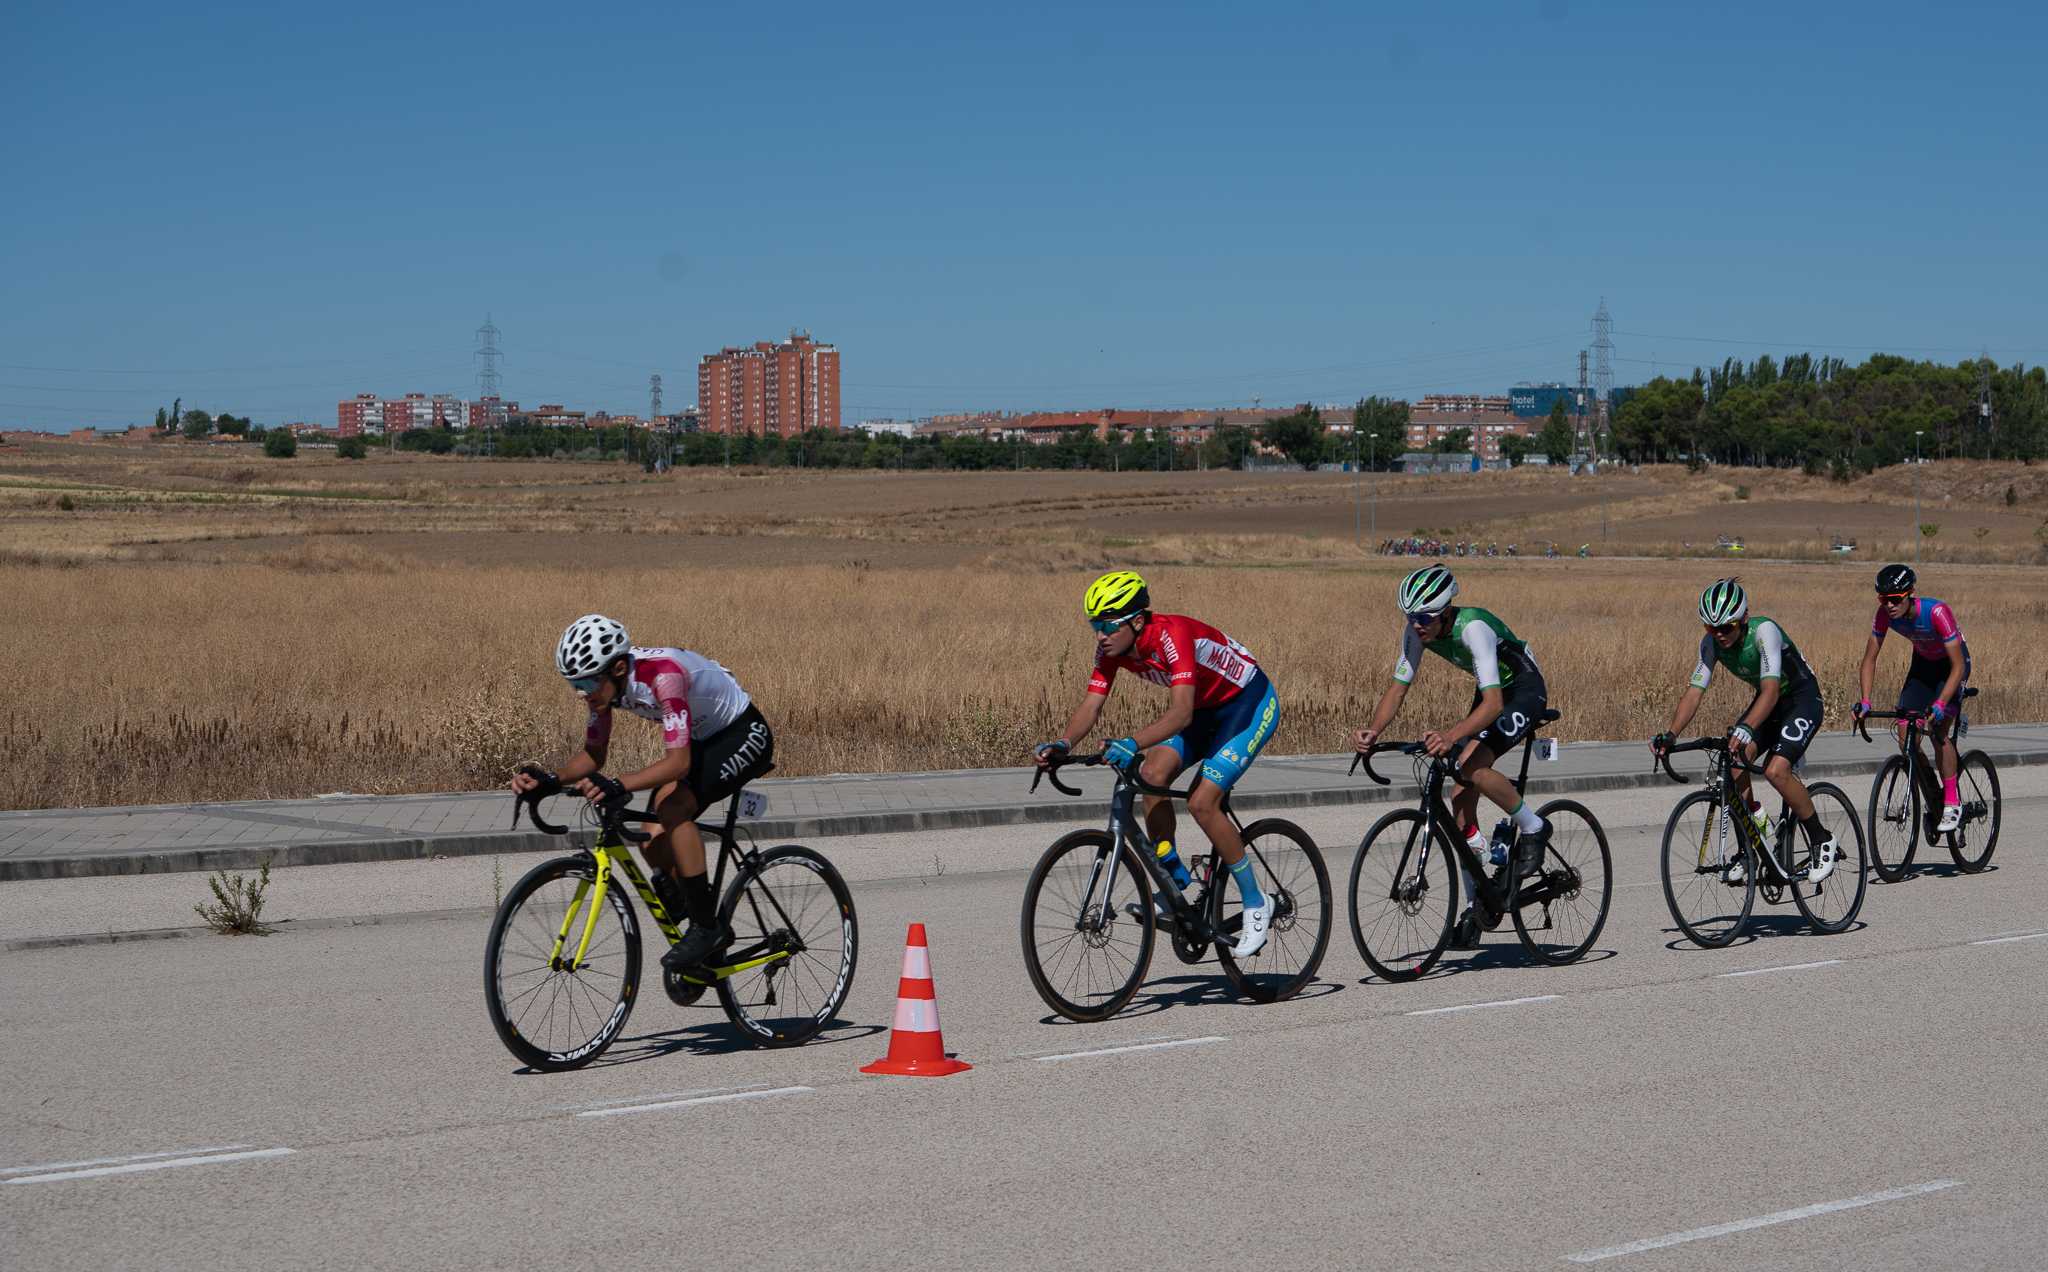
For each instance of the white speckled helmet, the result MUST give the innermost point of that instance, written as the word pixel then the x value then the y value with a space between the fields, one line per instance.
pixel 589 646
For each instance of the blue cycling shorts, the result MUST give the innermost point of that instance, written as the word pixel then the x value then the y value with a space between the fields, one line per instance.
pixel 1226 739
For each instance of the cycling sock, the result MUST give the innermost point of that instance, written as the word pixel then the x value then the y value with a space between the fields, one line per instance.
pixel 1526 819
pixel 1816 834
pixel 1247 885
pixel 697 899
pixel 1950 792
pixel 1169 857
pixel 670 891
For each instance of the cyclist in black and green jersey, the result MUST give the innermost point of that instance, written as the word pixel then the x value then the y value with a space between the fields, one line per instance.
pixel 1505 705
pixel 1780 720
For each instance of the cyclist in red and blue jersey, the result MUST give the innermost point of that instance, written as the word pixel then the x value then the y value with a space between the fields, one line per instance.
pixel 715 742
pixel 1221 712
pixel 1934 681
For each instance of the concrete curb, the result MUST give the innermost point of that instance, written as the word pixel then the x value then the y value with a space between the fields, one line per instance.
pixel 277 928
pixel 1043 810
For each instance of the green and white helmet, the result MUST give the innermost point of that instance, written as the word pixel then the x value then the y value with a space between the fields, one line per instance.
pixel 1724 601
pixel 1428 591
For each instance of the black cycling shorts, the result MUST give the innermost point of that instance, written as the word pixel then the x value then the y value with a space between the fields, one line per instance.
pixel 1924 681
pixel 1791 726
pixel 730 758
pixel 1520 704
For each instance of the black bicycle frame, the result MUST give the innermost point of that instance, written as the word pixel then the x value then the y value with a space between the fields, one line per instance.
pixel 1921 771
pixel 1721 767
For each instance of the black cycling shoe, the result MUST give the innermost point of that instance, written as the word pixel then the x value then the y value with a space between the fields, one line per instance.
pixel 698 945
pixel 1465 933
pixel 1529 851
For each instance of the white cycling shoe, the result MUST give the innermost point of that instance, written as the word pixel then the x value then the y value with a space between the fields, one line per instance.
pixel 1258 924
pixel 1823 862
pixel 1735 873
pixel 1951 817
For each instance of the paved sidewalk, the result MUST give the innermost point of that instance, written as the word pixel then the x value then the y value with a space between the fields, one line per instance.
pixel 60 843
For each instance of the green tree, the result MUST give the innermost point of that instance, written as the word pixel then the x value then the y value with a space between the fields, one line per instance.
pixel 1387 417
pixel 1515 448
pixel 351 448
pixel 1555 438
pixel 279 443
pixel 1298 436
pixel 230 425
pixel 1456 441
pixel 197 424
pixel 163 423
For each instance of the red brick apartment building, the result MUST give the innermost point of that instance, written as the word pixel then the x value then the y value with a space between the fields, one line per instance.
pixel 770 388
pixel 366 413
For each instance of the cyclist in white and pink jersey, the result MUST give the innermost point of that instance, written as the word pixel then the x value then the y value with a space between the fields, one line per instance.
pixel 1934 681
pixel 714 741
pixel 1221 711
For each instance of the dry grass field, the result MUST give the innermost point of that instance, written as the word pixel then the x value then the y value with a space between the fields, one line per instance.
pixel 192 625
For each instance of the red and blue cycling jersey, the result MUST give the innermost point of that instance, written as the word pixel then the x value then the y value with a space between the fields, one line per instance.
pixel 1177 650
pixel 1928 623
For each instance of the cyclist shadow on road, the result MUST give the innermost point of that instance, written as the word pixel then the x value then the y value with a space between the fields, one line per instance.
pixel 1487 958
pixel 712 1039
pixel 1761 927
pixel 1194 991
pixel 1933 870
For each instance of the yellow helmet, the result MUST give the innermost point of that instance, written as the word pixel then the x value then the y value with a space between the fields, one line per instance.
pixel 1115 594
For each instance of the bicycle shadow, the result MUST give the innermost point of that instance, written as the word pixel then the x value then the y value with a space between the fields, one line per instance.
pixel 1934 870
pixel 720 1038
pixel 1489 958
pixel 1195 991
pixel 1762 927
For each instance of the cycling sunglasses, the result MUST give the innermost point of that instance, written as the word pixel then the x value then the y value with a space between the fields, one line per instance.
pixel 586 684
pixel 1892 598
pixel 1423 620
pixel 1724 629
pixel 1108 626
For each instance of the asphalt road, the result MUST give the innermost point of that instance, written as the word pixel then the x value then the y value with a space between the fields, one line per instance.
pixel 337 1097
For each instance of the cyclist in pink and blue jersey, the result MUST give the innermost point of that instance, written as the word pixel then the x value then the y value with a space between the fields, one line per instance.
pixel 1934 682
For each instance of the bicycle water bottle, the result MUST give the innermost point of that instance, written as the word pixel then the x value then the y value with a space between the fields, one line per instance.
pixel 1762 821
pixel 1496 852
pixel 1169 857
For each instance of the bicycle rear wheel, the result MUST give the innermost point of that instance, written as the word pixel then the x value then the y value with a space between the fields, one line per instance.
pixel 792 920
pixel 1701 844
pixel 1087 943
pixel 1972 843
pixel 549 1014
pixel 1575 882
pixel 1832 904
pixel 1894 820
pixel 1289 868
pixel 1404 897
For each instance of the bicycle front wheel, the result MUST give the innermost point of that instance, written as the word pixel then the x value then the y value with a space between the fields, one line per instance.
pixel 1832 904
pixel 1573 887
pixel 1087 937
pixel 1289 868
pixel 1702 848
pixel 795 942
pixel 1894 820
pixel 1404 897
pixel 1976 839
pixel 552 1009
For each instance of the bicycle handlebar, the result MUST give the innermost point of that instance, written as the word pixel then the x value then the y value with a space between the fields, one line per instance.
pixel 1096 759
pixel 1364 757
pixel 611 817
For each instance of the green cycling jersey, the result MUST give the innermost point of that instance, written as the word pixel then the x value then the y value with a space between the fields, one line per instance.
pixel 1477 641
pixel 1765 652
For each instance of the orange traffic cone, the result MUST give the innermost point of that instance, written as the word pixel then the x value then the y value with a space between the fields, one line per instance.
pixel 916 1048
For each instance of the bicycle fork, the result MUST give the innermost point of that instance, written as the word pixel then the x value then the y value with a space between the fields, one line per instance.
pixel 590 895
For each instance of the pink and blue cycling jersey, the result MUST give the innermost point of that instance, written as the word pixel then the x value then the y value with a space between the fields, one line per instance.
pixel 1928 623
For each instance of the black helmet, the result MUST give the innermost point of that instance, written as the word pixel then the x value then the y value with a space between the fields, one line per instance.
pixel 1895 578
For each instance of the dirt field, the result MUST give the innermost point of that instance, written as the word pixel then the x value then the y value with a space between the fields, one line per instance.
pixel 191 624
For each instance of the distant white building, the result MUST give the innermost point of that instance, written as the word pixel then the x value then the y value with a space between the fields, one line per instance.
pixel 902 428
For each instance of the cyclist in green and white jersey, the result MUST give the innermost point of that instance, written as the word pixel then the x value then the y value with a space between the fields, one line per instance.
pixel 1780 720
pixel 1508 697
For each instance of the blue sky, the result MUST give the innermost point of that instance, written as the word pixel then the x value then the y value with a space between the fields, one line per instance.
pixel 267 208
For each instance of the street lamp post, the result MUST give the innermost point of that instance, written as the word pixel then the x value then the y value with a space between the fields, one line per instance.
pixel 1916 497
pixel 1374 457
pixel 1357 530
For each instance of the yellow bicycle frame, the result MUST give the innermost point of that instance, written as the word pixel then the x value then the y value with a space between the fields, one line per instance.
pixel 589 901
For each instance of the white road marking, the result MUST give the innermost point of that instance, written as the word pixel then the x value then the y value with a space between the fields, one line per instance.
pixel 1505 1002
pixel 1789 967
pixel 106 1161
pixel 654 1096
pixel 166 1164
pixel 1136 1046
pixel 1762 1221
pixel 2001 940
pixel 701 1099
